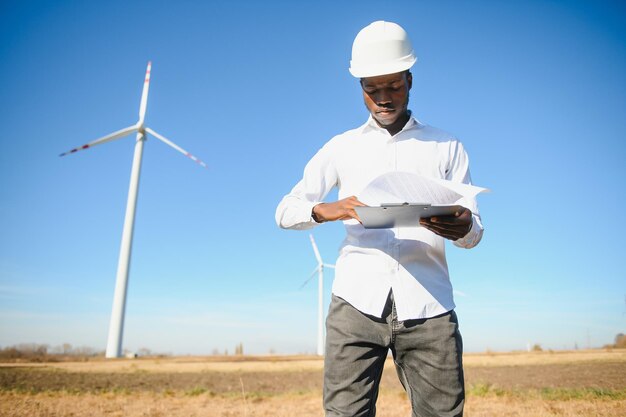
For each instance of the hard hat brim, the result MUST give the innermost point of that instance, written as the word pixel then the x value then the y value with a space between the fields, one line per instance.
pixel 369 70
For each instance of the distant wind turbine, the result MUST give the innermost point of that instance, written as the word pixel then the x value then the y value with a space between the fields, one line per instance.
pixel 320 296
pixel 116 328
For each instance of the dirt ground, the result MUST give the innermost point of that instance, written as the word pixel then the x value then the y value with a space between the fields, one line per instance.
pixel 543 384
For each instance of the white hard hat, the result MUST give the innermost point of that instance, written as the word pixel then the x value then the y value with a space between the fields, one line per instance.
pixel 381 48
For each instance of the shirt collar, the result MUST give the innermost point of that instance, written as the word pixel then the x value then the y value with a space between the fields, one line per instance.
pixel 372 125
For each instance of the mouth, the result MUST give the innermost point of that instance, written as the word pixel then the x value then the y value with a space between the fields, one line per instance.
pixel 385 112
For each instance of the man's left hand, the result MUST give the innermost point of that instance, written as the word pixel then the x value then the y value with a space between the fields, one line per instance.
pixel 451 227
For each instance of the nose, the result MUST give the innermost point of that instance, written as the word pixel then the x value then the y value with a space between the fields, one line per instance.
pixel 382 98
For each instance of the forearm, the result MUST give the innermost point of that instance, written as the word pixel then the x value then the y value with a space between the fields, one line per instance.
pixel 339 210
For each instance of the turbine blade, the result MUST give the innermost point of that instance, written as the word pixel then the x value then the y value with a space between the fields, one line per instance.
pixel 144 94
pixel 108 138
pixel 329 266
pixel 173 145
pixel 317 252
pixel 310 277
pixel 459 293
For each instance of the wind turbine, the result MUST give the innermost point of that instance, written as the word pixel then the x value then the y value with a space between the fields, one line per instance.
pixel 320 296
pixel 116 327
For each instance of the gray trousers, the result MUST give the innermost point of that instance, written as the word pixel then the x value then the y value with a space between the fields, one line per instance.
pixel 427 354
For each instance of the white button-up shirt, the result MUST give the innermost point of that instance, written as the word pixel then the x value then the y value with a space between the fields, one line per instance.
pixel 408 260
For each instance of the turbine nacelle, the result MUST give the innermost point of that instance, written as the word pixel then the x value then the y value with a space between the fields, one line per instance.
pixel 138 127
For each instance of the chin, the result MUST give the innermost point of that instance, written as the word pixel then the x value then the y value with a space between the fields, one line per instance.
pixel 386 121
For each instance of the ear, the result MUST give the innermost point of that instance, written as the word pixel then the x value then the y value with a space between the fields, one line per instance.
pixel 409 79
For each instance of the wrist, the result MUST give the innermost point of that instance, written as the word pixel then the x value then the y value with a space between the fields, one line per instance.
pixel 315 214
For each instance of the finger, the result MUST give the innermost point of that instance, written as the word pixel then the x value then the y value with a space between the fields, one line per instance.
pixel 347 214
pixel 446 234
pixel 439 222
pixel 451 227
pixel 451 220
pixel 355 202
pixel 449 232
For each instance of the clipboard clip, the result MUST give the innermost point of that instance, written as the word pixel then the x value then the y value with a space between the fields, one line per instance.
pixel 386 205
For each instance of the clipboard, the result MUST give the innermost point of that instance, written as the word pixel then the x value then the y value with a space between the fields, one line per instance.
pixel 402 215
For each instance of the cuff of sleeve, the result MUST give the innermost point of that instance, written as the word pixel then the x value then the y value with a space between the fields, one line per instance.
pixel 309 210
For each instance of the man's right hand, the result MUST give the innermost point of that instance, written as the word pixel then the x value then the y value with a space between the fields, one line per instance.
pixel 339 210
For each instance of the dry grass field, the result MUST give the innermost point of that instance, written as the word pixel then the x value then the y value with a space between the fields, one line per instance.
pixel 538 384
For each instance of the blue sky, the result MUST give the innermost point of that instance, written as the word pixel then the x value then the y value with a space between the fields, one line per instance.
pixel 536 90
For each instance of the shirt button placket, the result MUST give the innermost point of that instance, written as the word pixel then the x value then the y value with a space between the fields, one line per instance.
pixel 391 154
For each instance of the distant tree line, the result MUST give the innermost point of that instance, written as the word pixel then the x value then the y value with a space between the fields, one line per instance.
pixel 620 342
pixel 36 352
pixel 238 351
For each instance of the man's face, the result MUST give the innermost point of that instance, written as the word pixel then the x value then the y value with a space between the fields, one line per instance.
pixel 387 96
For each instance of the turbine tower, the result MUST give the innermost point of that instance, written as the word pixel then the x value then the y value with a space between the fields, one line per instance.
pixel 320 295
pixel 116 327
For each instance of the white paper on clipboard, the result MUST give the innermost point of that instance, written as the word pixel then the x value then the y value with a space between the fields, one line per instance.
pixel 402 215
pixel 387 196
pixel 400 187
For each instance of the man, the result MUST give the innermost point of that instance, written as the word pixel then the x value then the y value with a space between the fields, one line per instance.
pixel 391 288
